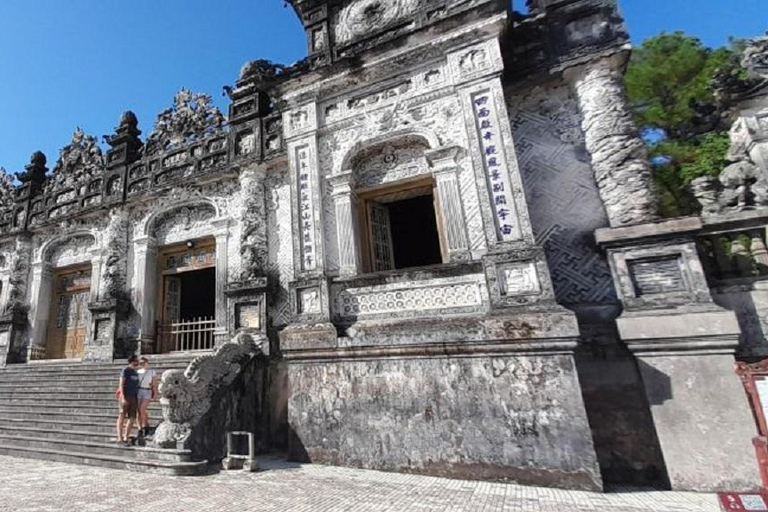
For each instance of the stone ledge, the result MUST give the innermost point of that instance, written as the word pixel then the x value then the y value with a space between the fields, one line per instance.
pixel 650 231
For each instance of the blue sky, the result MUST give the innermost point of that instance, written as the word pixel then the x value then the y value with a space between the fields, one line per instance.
pixel 70 63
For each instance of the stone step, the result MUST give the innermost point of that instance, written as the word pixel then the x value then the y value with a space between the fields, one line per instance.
pixel 109 401
pixel 76 407
pixel 59 385
pixel 70 415
pixel 156 361
pixel 45 394
pixel 51 424
pixel 108 461
pixel 78 373
pixel 97 448
pixel 72 435
pixel 70 404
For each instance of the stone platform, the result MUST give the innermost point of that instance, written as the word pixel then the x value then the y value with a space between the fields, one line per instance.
pixel 34 486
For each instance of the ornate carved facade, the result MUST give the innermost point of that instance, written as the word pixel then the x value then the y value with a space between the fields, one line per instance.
pixel 398 222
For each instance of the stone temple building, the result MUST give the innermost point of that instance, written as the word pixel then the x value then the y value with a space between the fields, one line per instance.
pixel 431 246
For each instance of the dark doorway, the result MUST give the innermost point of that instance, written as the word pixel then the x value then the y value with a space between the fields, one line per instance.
pixel 415 240
pixel 198 294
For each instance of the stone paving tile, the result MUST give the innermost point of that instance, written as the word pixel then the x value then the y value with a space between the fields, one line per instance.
pixel 36 486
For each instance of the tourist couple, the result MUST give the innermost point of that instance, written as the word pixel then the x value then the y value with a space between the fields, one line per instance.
pixel 137 387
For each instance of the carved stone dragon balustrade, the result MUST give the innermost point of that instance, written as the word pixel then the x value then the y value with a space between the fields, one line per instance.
pixel 186 395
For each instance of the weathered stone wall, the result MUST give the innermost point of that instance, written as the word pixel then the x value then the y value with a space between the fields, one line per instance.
pixel 506 418
pixel 565 208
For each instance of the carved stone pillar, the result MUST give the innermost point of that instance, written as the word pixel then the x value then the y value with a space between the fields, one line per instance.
pixel 222 277
pixel 145 289
pixel 346 203
pixel 41 290
pixel 14 337
pixel 445 171
pixel 619 160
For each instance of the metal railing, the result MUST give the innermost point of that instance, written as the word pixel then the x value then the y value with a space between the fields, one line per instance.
pixel 187 335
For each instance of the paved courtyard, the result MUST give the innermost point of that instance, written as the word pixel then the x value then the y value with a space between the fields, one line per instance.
pixel 34 486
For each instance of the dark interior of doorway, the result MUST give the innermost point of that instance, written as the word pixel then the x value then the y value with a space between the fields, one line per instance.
pixel 198 294
pixel 415 241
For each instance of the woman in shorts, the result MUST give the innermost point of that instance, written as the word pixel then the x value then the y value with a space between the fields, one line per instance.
pixel 147 393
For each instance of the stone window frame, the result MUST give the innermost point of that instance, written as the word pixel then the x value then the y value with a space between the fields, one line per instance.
pixel 444 171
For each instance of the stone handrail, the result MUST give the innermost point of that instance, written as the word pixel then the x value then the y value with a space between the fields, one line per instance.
pixel 185 396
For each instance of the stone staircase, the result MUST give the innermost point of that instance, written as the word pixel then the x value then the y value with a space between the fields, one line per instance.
pixel 66 412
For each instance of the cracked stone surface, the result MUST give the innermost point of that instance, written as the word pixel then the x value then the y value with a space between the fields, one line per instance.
pixel 37 486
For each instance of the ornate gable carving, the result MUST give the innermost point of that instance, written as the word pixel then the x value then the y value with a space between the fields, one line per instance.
pixel 365 17
pixel 78 162
pixel 192 117
pixel 7 188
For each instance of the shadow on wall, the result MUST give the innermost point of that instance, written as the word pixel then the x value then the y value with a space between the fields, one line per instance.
pixel 658 385
pixel 619 414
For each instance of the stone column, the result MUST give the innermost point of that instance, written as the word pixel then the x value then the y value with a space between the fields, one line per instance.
pixel 445 171
pixel 619 160
pixel 145 287
pixel 346 204
pixel 40 290
pixel 222 275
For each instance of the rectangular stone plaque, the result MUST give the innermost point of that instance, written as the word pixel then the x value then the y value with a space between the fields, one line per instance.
pixel 103 331
pixel 519 279
pixel 657 275
pixel 309 301
pixel 249 316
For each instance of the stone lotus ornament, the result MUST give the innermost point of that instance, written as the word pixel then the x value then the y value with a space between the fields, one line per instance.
pixel 192 117
pixel 741 186
pixel 185 396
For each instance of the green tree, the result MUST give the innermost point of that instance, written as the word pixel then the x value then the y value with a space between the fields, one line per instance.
pixel 669 85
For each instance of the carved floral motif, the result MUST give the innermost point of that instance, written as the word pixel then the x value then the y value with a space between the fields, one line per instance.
pixel 192 117
pixel 364 17
pixel 20 264
pixel 113 280
pixel 184 223
pixel 253 237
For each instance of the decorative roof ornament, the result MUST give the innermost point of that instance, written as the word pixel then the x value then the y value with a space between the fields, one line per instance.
pixel 260 70
pixel 79 161
pixel 192 117
pixel 755 57
pixel 35 170
pixel 7 188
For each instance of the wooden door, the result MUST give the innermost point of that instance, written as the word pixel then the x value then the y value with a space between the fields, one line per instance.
pixel 380 236
pixel 68 322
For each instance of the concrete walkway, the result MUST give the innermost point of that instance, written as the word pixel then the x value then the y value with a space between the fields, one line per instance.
pixel 35 486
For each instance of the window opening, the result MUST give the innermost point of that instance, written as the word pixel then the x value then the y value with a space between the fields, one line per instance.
pixel 401 227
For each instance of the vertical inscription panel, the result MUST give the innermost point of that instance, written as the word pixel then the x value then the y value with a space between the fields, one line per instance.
pixel 488 129
pixel 302 157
